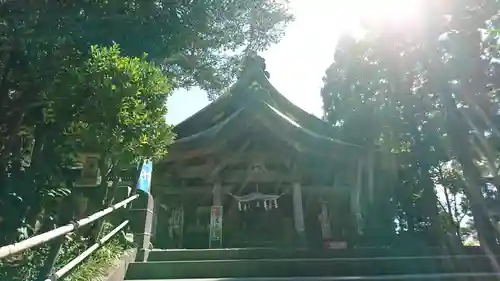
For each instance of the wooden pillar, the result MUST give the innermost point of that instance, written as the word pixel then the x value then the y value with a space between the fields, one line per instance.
pixel 217 194
pixel 326 230
pixel 356 194
pixel 298 214
pixel 370 166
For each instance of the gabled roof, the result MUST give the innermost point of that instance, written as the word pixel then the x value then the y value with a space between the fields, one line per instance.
pixel 252 84
pixel 254 97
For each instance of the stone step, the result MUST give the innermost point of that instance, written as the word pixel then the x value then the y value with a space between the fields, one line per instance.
pixel 335 267
pixel 424 277
pixel 269 253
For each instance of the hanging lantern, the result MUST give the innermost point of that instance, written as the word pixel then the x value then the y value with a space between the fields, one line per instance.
pixel 275 203
pixel 258 204
pixel 239 206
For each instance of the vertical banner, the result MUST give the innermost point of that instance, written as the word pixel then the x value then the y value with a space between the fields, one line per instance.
pixel 216 227
pixel 144 182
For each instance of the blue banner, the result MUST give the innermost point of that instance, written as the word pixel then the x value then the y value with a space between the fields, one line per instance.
pixel 144 182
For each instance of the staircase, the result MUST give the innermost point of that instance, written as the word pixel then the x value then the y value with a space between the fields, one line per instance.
pixel 332 265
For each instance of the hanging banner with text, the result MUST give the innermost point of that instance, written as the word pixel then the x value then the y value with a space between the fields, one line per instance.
pixel 144 182
pixel 216 227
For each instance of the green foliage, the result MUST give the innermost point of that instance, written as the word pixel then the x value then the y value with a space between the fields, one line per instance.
pixel 430 97
pixel 121 102
pixel 107 104
pixel 197 42
pixel 96 267
pixel 26 266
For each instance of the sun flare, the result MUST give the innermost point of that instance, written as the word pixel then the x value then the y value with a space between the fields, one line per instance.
pixel 397 11
pixel 381 13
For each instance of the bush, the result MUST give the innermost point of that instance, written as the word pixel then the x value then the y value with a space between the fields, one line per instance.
pixel 96 266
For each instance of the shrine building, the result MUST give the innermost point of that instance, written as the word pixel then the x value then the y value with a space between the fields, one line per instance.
pixel 252 169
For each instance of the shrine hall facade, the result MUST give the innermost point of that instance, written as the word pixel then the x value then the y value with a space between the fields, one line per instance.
pixel 252 169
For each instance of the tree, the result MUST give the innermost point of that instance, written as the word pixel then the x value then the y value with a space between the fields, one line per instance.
pixel 362 91
pixel 196 42
pixel 420 101
pixel 456 86
pixel 121 102
pixel 111 105
pixel 453 203
pixel 122 113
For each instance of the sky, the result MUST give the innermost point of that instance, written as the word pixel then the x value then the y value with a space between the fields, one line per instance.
pixel 296 64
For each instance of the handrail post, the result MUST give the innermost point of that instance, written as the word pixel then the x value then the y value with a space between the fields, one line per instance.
pixel 50 262
pixel 141 223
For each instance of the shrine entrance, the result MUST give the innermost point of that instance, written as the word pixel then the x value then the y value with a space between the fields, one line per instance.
pixel 259 228
pixel 260 220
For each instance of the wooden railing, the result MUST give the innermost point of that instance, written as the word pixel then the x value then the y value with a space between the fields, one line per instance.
pixel 47 273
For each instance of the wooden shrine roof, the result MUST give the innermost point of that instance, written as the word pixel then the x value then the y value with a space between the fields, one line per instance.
pixel 253 100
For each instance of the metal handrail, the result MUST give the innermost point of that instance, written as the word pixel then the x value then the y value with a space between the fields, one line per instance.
pixel 15 248
pixel 76 261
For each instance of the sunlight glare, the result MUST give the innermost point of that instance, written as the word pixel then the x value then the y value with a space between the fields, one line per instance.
pixel 380 13
pixel 389 12
pixel 397 11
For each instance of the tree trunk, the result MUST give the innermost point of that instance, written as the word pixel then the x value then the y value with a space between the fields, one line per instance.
pixel 30 181
pixel 427 185
pixel 485 229
pixel 458 137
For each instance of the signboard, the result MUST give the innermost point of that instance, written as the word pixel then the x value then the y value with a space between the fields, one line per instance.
pixel 144 182
pixel 216 227
pixel 337 245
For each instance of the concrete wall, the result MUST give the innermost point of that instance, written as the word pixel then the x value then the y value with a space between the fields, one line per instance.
pixel 117 271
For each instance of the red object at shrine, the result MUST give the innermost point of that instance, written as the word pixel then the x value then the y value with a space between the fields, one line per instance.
pixel 216 211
